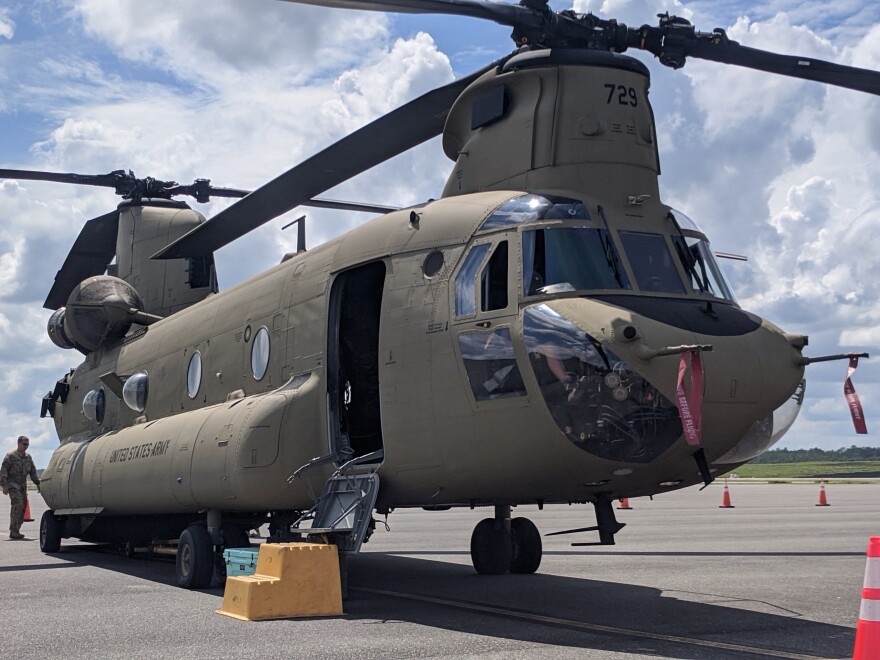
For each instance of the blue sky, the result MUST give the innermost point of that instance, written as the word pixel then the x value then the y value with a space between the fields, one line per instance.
pixel 239 90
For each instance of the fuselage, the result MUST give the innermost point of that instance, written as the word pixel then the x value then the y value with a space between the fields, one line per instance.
pixel 430 340
pixel 511 342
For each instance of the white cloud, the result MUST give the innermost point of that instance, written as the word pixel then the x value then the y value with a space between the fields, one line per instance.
pixel 780 170
pixel 7 25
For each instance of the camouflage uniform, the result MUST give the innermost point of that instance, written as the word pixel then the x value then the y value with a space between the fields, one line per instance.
pixel 13 476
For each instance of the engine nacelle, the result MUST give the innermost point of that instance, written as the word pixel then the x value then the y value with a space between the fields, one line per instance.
pixel 99 311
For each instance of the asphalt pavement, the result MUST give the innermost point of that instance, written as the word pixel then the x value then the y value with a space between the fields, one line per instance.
pixel 773 577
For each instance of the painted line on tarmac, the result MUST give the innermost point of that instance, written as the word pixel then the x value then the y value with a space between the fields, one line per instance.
pixel 594 627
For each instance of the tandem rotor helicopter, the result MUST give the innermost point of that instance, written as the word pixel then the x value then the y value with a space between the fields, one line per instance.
pixel 546 331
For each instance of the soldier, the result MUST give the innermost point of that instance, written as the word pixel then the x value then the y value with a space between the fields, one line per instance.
pixel 17 465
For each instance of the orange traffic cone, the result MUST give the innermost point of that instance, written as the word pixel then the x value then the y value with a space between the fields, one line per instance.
pixel 868 630
pixel 624 504
pixel 725 499
pixel 27 511
pixel 822 500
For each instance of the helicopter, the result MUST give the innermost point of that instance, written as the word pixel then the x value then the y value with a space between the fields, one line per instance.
pixel 545 331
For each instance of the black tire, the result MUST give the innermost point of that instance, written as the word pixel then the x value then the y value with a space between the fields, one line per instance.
pixel 233 537
pixel 527 548
pixel 491 548
pixel 195 558
pixel 51 530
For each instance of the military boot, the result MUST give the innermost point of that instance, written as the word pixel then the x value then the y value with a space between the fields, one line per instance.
pixel 16 536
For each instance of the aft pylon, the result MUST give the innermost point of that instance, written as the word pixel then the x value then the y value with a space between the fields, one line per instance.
pixel 27 510
pixel 822 499
pixel 725 499
pixel 868 630
pixel 624 503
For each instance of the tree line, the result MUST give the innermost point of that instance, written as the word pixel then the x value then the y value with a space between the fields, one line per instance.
pixel 852 453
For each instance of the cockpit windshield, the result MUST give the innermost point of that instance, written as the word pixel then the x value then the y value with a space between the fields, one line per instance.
pixel 570 259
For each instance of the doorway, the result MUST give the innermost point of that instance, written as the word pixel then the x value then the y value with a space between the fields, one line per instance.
pixel 353 361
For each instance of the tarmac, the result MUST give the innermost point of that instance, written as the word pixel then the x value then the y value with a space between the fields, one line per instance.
pixel 774 577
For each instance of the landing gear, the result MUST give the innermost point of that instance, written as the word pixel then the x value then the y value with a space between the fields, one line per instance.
pixel 527 547
pixel 51 529
pixel 195 558
pixel 500 545
pixel 491 547
pixel 233 537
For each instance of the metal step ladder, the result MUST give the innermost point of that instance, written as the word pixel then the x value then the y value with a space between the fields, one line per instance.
pixel 343 511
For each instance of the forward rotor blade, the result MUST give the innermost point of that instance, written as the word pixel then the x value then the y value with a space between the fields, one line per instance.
pixel 500 12
pixel 862 80
pixel 90 255
pixel 676 39
pixel 386 137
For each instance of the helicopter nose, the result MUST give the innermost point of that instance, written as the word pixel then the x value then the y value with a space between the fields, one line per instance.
pixel 619 398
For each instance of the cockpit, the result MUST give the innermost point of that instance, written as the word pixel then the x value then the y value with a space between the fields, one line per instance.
pixel 566 250
pixel 535 249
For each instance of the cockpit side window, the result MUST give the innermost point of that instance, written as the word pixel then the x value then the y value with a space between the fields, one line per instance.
pixel 651 262
pixel 493 281
pixel 466 282
pixel 701 267
pixel 490 364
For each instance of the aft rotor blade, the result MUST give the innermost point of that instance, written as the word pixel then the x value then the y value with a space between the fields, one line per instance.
pixel 90 255
pixel 106 180
pixel 500 12
pixel 386 137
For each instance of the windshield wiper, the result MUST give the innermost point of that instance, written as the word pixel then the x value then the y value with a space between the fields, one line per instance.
pixel 608 248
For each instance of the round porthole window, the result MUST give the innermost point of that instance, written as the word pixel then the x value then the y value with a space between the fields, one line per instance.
pixel 194 375
pixel 260 353
pixel 93 405
pixel 135 390
pixel 433 264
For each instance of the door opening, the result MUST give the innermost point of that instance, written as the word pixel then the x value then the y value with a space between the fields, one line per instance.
pixel 353 361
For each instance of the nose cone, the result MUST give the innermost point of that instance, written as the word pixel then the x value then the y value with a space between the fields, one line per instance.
pixel 751 371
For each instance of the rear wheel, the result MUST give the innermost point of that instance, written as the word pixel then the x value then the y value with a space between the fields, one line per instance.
pixel 51 529
pixel 491 547
pixel 527 547
pixel 233 537
pixel 195 558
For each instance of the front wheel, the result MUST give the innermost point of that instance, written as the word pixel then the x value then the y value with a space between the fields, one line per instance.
pixel 491 548
pixel 195 558
pixel 527 549
pixel 51 529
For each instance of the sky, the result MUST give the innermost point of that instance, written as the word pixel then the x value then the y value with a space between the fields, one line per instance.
pixel 238 91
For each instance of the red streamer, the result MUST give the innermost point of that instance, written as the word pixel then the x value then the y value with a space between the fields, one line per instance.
pixel 852 399
pixel 690 401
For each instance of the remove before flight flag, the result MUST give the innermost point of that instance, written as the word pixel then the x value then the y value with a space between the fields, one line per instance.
pixel 690 401
pixel 852 399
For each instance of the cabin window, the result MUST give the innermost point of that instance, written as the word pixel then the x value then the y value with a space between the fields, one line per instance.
pixel 570 259
pixel 651 262
pixel 93 405
pixel 493 281
pixel 135 390
pixel 433 263
pixel 194 375
pixel 260 353
pixel 490 364
pixel 466 282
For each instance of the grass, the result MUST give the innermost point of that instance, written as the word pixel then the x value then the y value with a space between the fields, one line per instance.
pixel 809 469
